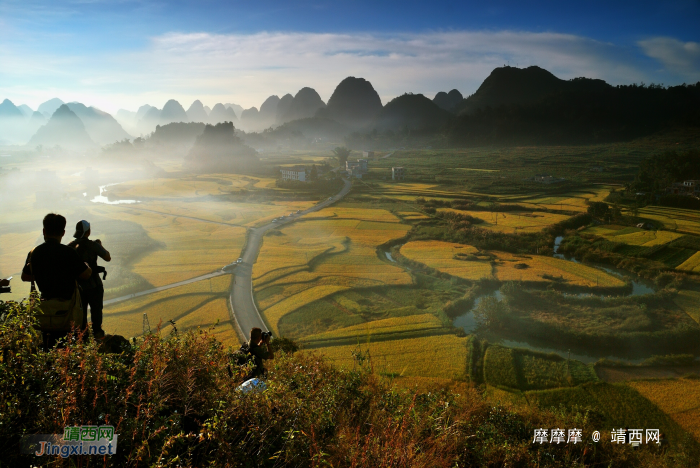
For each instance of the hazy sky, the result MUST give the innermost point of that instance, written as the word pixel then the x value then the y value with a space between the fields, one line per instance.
pixel 121 54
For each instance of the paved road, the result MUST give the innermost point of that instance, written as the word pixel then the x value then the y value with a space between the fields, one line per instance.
pixel 244 312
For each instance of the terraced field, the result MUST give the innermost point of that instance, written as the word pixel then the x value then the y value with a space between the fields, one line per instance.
pixel 435 356
pixel 689 301
pixel 468 263
pixel 679 398
pixel 513 221
pixel 384 329
pixel 332 251
pixel 200 304
pixel 674 219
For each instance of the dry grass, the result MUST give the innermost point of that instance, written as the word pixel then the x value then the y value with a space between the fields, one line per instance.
pixel 313 259
pixel 437 357
pixel 679 398
pixel 14 248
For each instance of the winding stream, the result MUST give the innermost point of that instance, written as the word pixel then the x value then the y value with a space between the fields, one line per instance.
pixel 467 322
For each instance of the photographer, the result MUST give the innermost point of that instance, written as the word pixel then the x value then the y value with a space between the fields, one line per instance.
pixel 93 290
pixel 260 349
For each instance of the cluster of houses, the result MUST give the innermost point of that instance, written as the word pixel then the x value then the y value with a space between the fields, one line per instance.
pixel 352 169
pixel 547 179
pixel 689 188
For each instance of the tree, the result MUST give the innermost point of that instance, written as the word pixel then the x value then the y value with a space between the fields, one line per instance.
pixel 341 153
pixel 598 209
pixel 313 175
pixel 491 312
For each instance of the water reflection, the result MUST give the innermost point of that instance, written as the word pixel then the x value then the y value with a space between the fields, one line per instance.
pixel 101 198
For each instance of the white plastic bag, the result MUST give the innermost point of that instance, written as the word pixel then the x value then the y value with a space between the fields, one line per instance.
pixel 252 385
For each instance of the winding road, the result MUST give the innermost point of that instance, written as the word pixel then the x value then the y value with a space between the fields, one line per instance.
pixel 244 313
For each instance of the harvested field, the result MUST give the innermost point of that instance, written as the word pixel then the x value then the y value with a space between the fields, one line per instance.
pixel 513 221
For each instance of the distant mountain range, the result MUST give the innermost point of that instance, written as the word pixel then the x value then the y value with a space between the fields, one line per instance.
pixel 512 105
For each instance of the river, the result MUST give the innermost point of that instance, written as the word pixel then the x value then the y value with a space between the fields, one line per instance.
pixel 467 322
pixel 101 198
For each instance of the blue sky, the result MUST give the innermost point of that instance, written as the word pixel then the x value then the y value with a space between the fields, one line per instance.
pixel 121 54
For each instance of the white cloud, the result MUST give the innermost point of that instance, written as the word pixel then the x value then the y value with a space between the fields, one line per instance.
pixel 248 68
pixel 677 56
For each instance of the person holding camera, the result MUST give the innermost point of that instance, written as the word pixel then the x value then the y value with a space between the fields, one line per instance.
pixel 260 349
pixel 92 289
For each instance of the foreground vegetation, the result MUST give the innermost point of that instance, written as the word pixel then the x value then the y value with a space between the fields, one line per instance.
pixel 173 403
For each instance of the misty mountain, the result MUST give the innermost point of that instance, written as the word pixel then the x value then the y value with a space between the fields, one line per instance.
pixel 313 127
pixel 173 112
pixel 354 103
pixel 522 86
pixel 268 109
pixel 283 107
pixel 50 106
pixel 64 129
pixel 448 101
pixel 221 113
pixel 150 119
pixel 218 149
pixel 249 119
pixel 141 112
pixel 412 111
pixel 9 111
pixel 37 119
pixel 101 126
pixel 305 104
pixel 177 135
pixel 196 112
pixel 578 111
pixel 25 110
pixel 236 108
pixel 207 109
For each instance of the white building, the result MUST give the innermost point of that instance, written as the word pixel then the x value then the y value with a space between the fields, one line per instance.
pixel 368 154
pixel 397 173
pixel 294 173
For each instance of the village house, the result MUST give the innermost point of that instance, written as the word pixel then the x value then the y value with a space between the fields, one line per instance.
pixel 687 187
pixel 397 173
pixel 294 173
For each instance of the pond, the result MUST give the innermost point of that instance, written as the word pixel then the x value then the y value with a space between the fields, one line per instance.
pixel 101 198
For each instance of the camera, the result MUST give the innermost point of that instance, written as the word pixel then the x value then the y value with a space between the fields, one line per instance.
pixel 266 335
pixel 5 289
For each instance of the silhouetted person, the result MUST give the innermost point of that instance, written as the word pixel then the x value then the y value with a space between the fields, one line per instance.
pixel 260 350
pixel 4 282
pixel 93 291
pixel 55 267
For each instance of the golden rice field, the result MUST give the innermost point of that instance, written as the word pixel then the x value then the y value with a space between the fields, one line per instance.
pixel 633 235
pixel 211 184
pixel 513 222
pixel 692 264
pixel 503 266
pixel 679 398
pixel 441 356
pixel 382 327
pixel 14 248
pixel 412 215
pixel 674 219
pixel 441 256
pixel 199 304
pixel 689 301
pixel 313 259
pixel 190 248
pixel 576 201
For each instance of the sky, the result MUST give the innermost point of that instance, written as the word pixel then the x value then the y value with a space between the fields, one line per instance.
pixel 115 54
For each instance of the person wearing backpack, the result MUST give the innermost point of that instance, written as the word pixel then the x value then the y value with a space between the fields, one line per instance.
pixel 92 289
pixel 260 349
pixel 55 269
